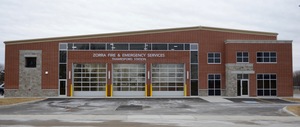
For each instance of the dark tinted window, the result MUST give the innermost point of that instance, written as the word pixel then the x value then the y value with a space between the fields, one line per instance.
pixel 97 46
pixel 175 46
pixel 30 62
pixel 266 85
pixel 214 57
pixel 70 46
pixel 187 46
pixel 121 46
pixel 214 85
pixel 62 71
pixel 109 46
pixel 159 47
pixel 242 57
pixel 194 57
pixel 81 47
pixel 137 46
pixel 62 56
pixel 194 71
pixel 266 57
pixel 148 46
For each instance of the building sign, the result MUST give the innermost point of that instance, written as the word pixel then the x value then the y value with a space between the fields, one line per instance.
pixel 128 56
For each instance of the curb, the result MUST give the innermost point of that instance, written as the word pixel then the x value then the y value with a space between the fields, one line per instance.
pixel 289 112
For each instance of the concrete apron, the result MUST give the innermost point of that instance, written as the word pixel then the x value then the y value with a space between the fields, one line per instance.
pixel 177 120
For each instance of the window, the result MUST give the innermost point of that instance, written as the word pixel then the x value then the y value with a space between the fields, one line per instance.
pixel 63 46
pixel 159 47
pixel 214 57
pixel 242 76
pixel 97 46
pixel 62 56
pixel 81 47
pixel 266 57
pixel 70 46
pixel 30 62
pixel 128 46
pixel 266 84
pixel 120 47
pixel 194 71
pixel 137 47
pixel 175 46
pixel 148 47
pixel 110 46
pixel 214 84
pixel 194 47
pixel 194 56
pixel 62 71
pixel 187 46
pixel 242 57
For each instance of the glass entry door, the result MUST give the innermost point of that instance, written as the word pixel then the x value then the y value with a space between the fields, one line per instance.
pixel 244 87
pixel 242 84
pixel 62 87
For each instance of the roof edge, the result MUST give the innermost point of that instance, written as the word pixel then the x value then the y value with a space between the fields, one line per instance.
pixel 239 31
pixel 258 41
pixel 91 36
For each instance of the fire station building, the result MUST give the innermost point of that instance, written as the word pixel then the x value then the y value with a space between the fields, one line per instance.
pixel 176 62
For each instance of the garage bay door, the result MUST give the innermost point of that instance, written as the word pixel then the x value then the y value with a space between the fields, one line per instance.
pixel 129 80
pixel 168 79
pixel 89 80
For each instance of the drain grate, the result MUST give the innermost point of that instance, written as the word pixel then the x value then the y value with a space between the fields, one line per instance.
pixel 129 107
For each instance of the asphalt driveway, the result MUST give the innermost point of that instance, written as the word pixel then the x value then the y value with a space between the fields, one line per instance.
pixel 149 112
pixel 149 106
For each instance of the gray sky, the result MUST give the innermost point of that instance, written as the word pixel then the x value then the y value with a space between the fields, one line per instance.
pixel 29 19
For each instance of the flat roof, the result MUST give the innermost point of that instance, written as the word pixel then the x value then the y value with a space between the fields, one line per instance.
pixel 91 36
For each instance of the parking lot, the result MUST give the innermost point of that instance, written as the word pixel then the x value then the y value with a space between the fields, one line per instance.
pixel 141 110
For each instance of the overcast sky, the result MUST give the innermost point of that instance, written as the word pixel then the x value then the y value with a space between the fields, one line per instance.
pixel 29 19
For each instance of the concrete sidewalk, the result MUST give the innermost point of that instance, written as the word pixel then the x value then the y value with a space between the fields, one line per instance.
pixel 296 96
pixel 168 120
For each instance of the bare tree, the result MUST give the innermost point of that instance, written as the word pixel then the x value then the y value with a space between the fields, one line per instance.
pixel 296 78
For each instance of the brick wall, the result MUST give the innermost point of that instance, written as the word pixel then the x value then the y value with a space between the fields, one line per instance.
pixel 209 41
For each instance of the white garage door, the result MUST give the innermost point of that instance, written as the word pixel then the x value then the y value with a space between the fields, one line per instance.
pixel 129 80
pixel 168 79
pixel 89 80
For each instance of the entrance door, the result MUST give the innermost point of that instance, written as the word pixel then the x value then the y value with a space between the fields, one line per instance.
pixel 244 87
pixel 194 87
pixel 62 87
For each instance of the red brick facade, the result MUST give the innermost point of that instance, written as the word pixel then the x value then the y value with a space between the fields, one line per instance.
pixel 208 40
